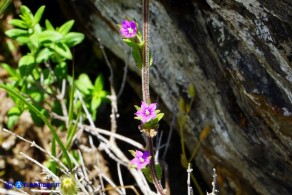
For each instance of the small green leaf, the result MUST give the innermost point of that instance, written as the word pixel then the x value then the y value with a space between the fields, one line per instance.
pixel 22 39
pixel 13 116
pixel 12 72
pixel 159 116
pixel 43 55
pixel 73 38
pixel 62 50
pixel 14 33
pixel 26 65
pixel 36 94
pixel 150 59
pixel 137 57
pixel 95 102
pixel 26 16
pixel 18 23
pixel 84 84
pixel 50 36
pixel 38 15
pixel 147 173
pixel 25 10
pixel 130 42
pixel 133 153
pixel 61 71
pixel 65 28
pixel 14 111
pixel 158 171
pixel 34 40
pixel 49 25
pixel 11 121
pixel 98 85
pixel 137 107
pixel 157 111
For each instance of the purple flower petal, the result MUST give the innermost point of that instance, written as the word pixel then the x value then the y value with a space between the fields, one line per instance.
pixel 141 159
pixel 147 112
pixel 128 29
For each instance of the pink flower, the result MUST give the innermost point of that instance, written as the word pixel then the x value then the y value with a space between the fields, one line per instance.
pixel 128 29
pixel 141 159
pixel 147 112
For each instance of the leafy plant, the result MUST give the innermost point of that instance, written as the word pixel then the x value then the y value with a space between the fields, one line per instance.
pixel 93 93
pixel 46 45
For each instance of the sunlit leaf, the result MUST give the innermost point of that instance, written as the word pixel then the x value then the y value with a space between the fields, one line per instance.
pixel 65 28
pixel 26 65
pixel 84 84
pixel 73 38
pixel 38 15
pixel 14 33
pixel 18 23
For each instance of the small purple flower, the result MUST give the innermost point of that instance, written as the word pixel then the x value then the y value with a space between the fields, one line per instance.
pixel 141 159
pixel 128 29
pixel 147 112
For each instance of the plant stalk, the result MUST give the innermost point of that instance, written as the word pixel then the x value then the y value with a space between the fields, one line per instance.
pixel 146 91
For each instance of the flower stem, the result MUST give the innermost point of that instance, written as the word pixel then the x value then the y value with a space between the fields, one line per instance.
pixel 145 56
pixel 156 181
pixel 146 91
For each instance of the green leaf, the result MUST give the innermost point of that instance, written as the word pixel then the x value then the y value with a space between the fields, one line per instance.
pixel 35 93
pixel 150 59
pixel 65 28
pixel 159 116
pixel 84 84
pixel 99 94
pixel 137 107
pixel 98 85
pixel 26 16
pixel 14 33
pixel 133 153
pixel 49 25
pixel 130 43
pixel 62 50
pixel 95 102
pixel 13 116
pixel 43 55
pixel 147 172
pixel 137 57
pixel 34 41
pixel 158 171
pixel 11 121
pixel 22 39
pixel 18 23
pixel 38 15
pixel 26 65
pixel 61 71
pixel 44 118
pixel 50 36
pixel 73 38
pixel 25 10
pixel 11 71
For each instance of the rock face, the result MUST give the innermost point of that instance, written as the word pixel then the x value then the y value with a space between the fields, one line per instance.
pixel 237 54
